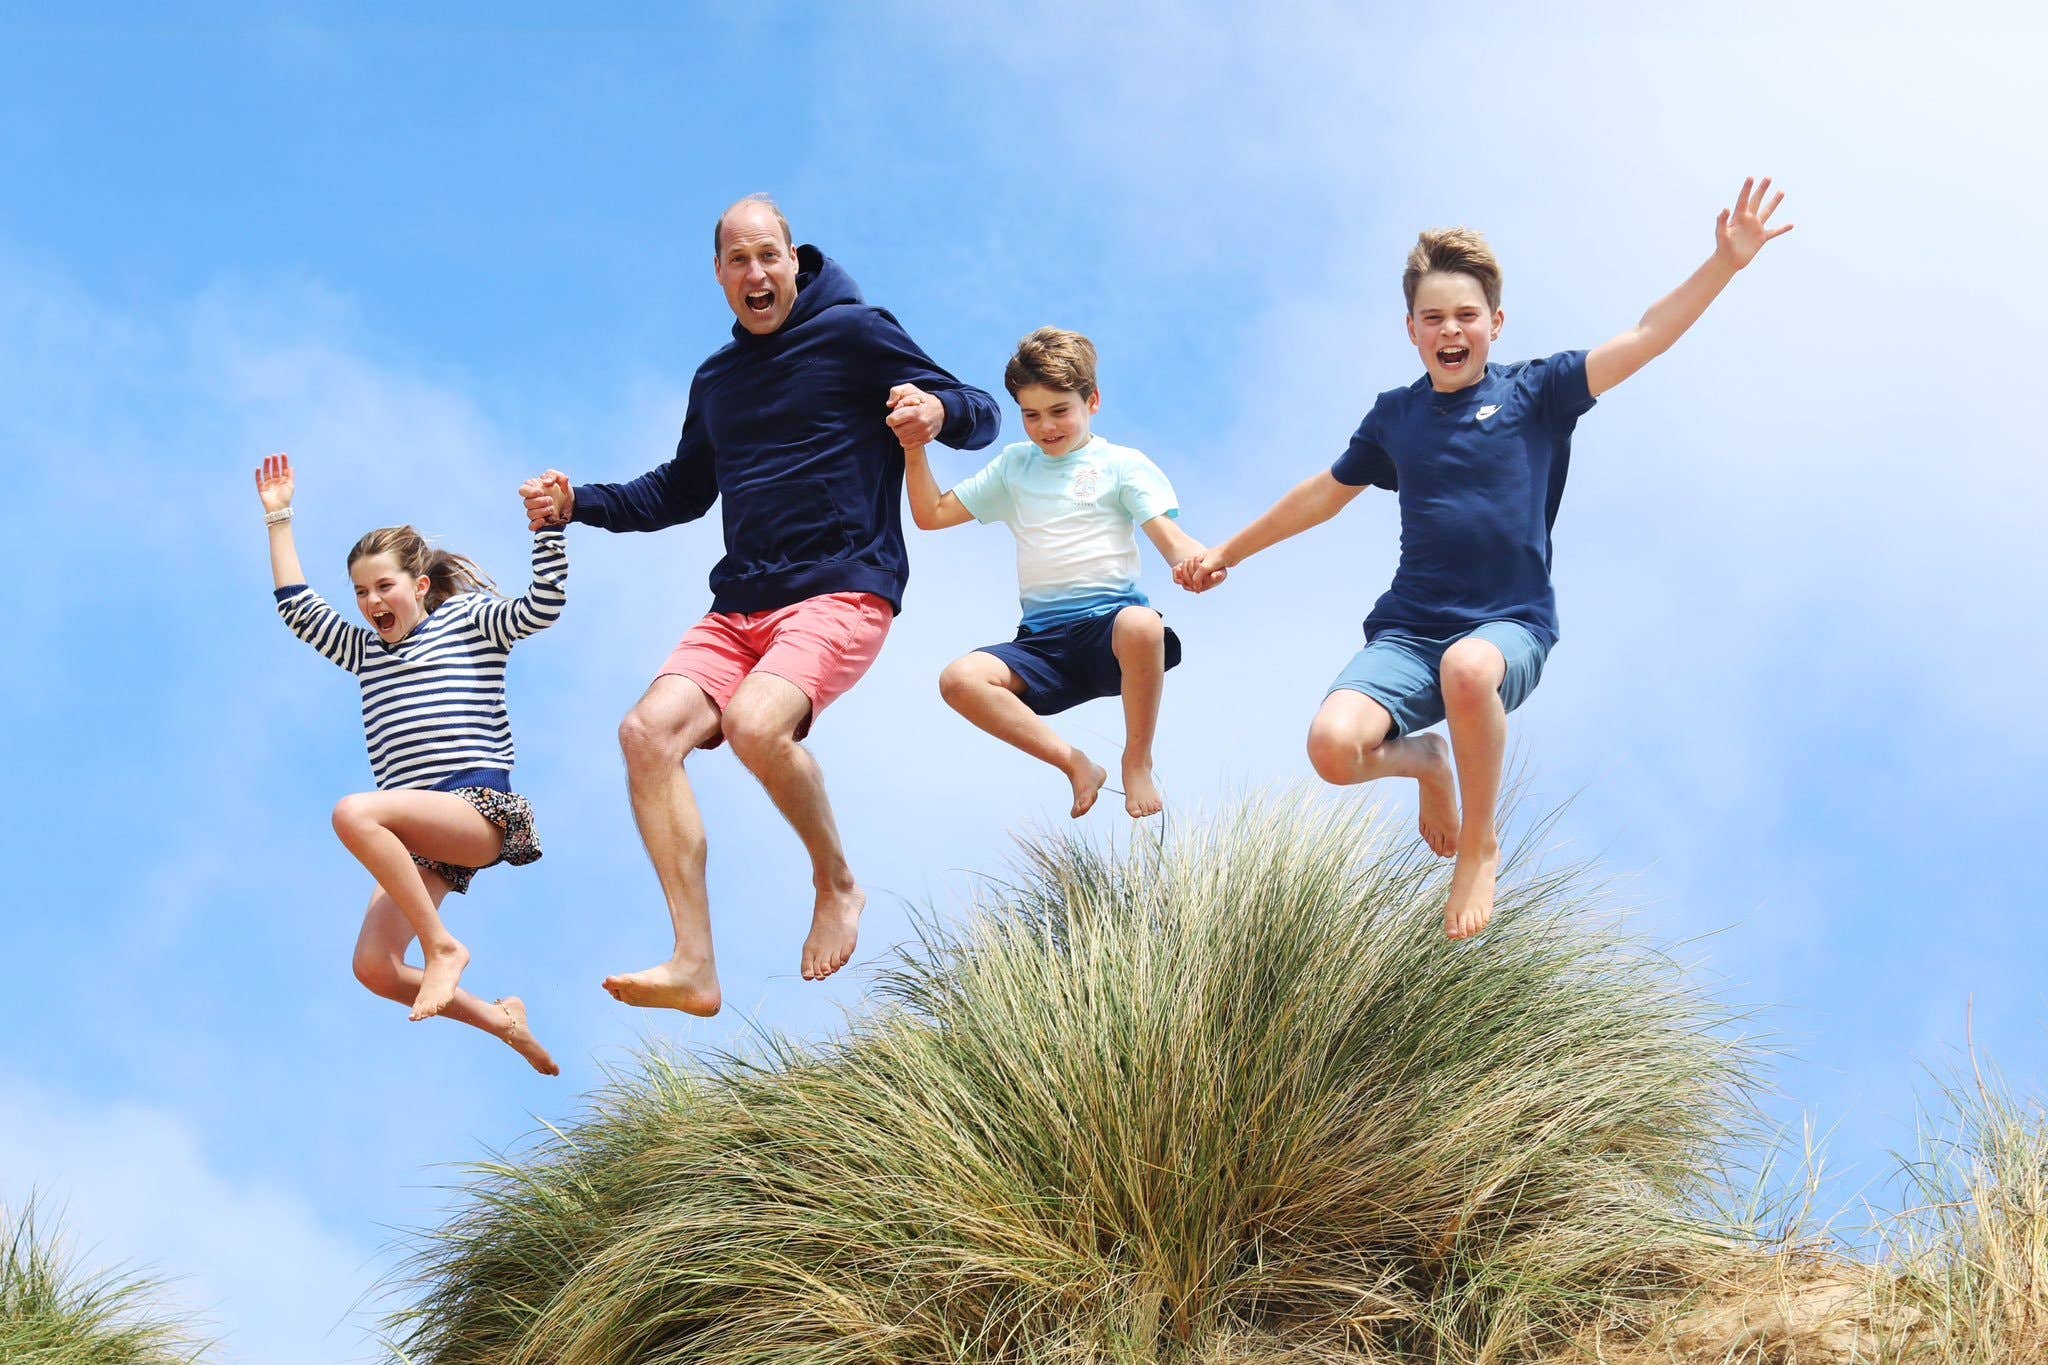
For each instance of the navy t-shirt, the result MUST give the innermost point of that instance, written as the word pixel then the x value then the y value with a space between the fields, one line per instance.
pixel 1480 473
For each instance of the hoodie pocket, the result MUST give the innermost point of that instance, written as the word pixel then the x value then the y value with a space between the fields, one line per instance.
pixel 785 524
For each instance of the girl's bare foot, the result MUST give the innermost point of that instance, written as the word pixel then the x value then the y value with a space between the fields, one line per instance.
pixel 1439 802
pixel 520 1038
pixel 691 987
pixel 438 982
pixel 1470 908
pixel 1087 776
pixel 835 928
pixel 1141 793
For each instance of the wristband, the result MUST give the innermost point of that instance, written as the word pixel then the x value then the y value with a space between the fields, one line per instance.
pixel 281 515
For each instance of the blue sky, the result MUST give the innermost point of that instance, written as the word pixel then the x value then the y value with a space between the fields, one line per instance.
pixel 1799 561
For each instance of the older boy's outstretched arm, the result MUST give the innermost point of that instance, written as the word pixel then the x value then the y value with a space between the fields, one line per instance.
pixel 930 509
pixel 1738 235
pixel 1311 502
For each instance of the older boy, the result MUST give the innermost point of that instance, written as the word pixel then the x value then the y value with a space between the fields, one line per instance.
pixel 1478 454
pixel 1072 500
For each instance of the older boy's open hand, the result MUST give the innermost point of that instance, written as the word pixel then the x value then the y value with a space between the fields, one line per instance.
pixel 549 500
pixel 915 416
pixel 1742 231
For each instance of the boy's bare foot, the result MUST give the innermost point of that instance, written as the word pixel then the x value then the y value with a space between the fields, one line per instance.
pixel 1470 908
pixel 521 1040
pixel 1087 776
pixel 442 976
pixel 1141 793
pixel 674 985
pixel 835 928
pixel 1439 800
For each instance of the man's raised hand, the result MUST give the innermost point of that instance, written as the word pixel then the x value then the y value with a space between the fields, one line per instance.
pixel 1741 232
pixel 549 499
pixel 915 416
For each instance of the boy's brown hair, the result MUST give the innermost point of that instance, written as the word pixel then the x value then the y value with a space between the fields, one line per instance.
pixel 1453 251
pixel 1054 358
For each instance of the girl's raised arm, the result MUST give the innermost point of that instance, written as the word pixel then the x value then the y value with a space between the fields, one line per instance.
pixel 507 621
pixel 274 486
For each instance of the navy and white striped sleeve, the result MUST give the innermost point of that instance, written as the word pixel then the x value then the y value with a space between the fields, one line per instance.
pixel 310 618
pixel 504 621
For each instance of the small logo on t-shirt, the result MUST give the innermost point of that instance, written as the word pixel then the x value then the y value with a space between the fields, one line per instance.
pixel 1489 410
pixel 1083 487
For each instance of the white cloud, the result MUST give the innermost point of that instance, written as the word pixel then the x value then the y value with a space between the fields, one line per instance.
pixel 138 1186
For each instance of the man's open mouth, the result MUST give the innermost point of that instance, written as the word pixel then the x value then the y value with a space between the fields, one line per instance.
pixel 762 301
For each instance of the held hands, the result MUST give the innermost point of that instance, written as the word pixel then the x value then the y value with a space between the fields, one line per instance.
pixel 1741 232
pixel 1199 573
pixel 274 482
pixel 915 416
pixel 549 500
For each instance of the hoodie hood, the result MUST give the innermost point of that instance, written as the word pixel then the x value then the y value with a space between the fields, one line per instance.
pixel 820 284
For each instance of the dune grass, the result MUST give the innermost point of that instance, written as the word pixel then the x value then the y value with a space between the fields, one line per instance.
pixel 52 1314
pixel 1226 1097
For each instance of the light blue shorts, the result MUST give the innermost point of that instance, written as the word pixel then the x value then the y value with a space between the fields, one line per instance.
pixel 1399 671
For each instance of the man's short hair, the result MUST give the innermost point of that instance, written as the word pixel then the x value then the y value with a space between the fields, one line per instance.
pixel 1055 358
pixel 718 228
pixel 1453 251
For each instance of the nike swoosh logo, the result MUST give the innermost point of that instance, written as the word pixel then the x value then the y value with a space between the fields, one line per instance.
pixel 1488 411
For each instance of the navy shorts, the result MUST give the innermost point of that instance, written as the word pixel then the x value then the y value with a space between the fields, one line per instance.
pixel 1399 670
pixel 1063 666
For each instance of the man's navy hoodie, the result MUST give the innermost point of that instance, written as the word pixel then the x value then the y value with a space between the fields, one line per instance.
pixel 789 429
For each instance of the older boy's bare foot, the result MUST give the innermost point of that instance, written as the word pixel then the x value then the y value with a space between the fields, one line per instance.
pixel 442 976
pixel 1087 776
pixel 1470 908
pixel 520 1038
pixel 691 987
pixel 835 928
pixel 1439 799
pixel 1141 793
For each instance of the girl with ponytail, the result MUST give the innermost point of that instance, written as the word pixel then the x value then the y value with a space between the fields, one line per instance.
pixel 432 671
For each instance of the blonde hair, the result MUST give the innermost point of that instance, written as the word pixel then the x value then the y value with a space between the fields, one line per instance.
pixel 1055 358
pixel 448 574
pixel 1453 251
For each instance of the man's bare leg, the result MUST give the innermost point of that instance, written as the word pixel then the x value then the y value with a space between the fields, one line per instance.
pixel 657 737
pixel 761 725
pixel 1349 744
pixel 1139 641
pixel 1471 673
pixel 380 965
pixel 383 829
pixel 982 688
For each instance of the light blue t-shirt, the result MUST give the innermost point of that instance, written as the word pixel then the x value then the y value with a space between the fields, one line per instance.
pixel 1075 519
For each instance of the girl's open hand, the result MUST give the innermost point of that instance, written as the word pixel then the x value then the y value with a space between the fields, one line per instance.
pixel 1742 231
pixel 274 482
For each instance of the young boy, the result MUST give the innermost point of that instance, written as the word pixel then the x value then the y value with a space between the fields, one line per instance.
pixel 1071 499
pixel 1478 454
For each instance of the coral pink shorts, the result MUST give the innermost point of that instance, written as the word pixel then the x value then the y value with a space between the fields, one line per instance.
pixel 823 645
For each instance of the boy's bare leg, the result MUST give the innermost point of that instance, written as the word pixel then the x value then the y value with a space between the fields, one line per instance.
pixel 1139 640
pixel 383 829
pixel 982 688
pixel 1471 673
pixel 380 965
pixel 761 725
pixel 1349 743
pixel 656 738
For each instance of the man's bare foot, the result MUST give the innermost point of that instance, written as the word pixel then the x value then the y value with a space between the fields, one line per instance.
pixel 835 928
pixel 520 1038
pixel 443 975
pixel 674 985
pixel 1470 908
pixel 1141 793
pixel 1087 776
pixel 1439 800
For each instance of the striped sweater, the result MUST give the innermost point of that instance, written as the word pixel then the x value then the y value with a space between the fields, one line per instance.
pixel 434 703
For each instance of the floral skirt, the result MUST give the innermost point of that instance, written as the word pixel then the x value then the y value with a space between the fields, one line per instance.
pixel 509 812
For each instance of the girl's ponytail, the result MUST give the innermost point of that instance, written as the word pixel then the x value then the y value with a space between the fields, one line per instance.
pixel 448 574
